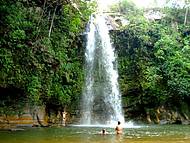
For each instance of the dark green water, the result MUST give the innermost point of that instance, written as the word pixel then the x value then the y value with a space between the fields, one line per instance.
pixel 146 134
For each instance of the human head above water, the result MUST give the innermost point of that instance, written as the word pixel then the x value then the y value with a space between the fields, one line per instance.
pixel 119 122
pixel 103 131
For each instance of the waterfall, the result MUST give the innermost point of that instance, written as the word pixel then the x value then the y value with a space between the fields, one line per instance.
pixel 101 103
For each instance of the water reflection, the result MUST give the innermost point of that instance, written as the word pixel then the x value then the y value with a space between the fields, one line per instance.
pixel 119 138
pixel 147 134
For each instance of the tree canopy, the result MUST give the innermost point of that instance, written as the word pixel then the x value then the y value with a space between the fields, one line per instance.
pixel 153 57
pixel 40 50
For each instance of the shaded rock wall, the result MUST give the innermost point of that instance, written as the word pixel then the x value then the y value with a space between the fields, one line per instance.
pixel 33 117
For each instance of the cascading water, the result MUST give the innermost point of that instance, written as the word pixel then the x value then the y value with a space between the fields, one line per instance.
pixel 101 97
pixel 88 95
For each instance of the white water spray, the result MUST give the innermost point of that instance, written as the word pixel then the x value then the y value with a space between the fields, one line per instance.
pixel 101 97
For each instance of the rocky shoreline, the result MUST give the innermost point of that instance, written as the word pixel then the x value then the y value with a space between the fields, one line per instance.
pixel 18 123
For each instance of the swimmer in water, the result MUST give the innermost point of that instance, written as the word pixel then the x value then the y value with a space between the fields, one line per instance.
pixel 103 132
pixel 119 128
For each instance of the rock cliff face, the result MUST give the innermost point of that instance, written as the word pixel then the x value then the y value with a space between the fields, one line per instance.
pixel 29 117
pixel 38 117
pixel 164 115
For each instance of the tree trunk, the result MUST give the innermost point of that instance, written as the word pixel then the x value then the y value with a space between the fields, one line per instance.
pixel 51 26
pixel 186 13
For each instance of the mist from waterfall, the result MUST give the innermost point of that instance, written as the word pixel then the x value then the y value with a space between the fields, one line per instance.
pixel 101 103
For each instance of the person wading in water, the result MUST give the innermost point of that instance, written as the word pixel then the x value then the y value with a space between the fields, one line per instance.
pixel 119 128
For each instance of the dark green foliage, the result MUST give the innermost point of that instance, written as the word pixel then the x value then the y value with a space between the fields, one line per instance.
pixel 41 55
pixel 12 101
pixel 38 49
pixel 154 62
